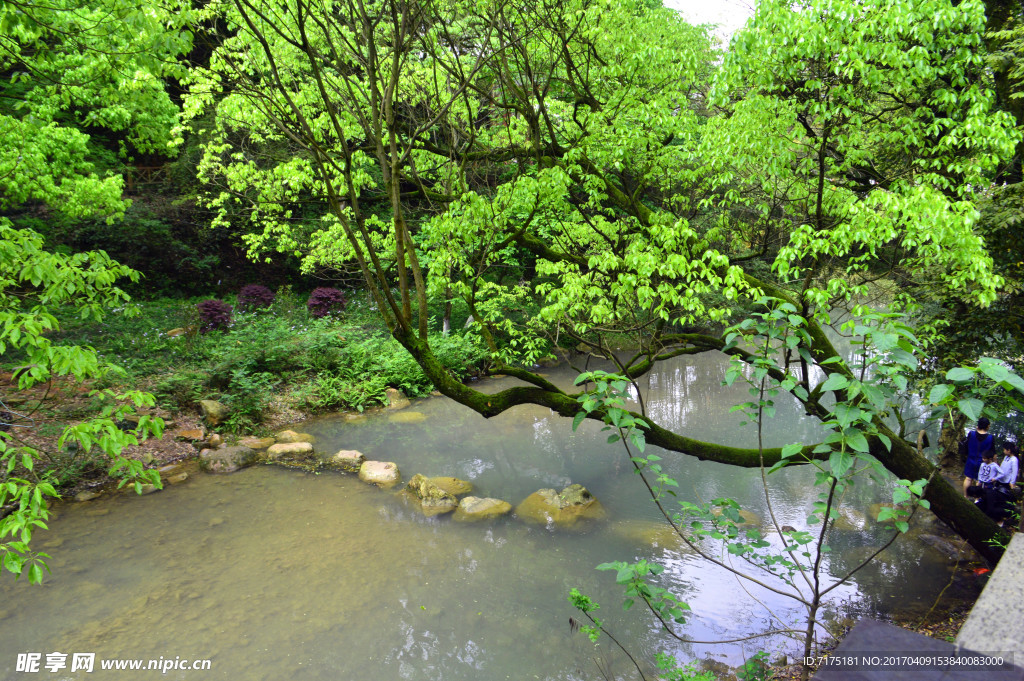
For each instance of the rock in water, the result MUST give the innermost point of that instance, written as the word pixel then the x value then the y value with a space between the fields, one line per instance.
pixel 472 509
pixel 433 500
pixel 407 417
pixel 214 412
pixel 947 548
pixel 257 442
pixel 226 459
pixel 562 509
pixel 396 399
pixel 290 436
pixel 284 450
pixel 348 460
pixel 453 486
pixel 381 473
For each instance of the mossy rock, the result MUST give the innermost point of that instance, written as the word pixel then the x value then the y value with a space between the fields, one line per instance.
pixel 565 509
pixel 226 459
pixel 454 486
pixel 473 509
pixel 290 437
pixel 214 412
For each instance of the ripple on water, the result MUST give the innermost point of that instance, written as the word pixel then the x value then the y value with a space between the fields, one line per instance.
pixel 279 574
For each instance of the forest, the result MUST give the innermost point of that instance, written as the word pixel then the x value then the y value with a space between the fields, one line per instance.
pixel 425 191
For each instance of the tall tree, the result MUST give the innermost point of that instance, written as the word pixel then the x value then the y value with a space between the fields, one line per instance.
pixel 595 144
pixel 71 71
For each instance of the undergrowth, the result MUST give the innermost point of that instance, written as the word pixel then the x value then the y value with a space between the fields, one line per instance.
pixel 280 355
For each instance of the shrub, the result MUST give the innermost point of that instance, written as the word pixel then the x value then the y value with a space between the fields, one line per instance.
pixel 324 300
pixel 255 297
pixel 214 314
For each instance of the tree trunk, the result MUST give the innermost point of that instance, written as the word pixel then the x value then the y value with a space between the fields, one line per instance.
pixel 950 434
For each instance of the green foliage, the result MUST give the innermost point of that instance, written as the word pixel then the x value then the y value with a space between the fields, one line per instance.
pixel 634 577
pixel 671 670
pixel 755 668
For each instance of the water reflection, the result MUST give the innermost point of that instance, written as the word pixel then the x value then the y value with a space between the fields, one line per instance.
pixel 279 574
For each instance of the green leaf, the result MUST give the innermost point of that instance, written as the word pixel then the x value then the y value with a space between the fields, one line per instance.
pixel 971 408
pixel 578 419
pixel 959 375
pixel 835 382
pixel 939 392
pixel 857 441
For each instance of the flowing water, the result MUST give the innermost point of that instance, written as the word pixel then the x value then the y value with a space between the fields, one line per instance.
pixel 277 574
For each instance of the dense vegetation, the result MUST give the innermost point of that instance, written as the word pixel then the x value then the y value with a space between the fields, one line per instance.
pixel 587 174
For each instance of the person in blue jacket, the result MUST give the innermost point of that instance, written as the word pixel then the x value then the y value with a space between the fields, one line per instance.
pixel 979 441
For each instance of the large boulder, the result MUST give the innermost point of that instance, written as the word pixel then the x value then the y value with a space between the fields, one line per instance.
pixel 348 460
pixel 381 473
pixel 226 459
pixel 214 412
pixel 290 436
pixel 433 500
pixel 472 509
pixel 288 450
pixel 562 509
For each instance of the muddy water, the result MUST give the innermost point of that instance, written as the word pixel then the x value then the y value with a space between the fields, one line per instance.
pixel 279 574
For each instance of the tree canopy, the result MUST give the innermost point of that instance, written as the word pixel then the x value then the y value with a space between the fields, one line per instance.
pixel 73 72
pixel 608 161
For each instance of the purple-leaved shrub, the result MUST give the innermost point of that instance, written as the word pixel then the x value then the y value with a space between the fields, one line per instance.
pixel 255 297
pixel 214 314
pixel 324 300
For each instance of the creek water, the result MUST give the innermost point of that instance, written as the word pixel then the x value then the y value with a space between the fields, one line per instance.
pixel 275 573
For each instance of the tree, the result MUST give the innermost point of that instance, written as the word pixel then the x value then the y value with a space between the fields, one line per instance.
pixel 72 71
pixel 648 194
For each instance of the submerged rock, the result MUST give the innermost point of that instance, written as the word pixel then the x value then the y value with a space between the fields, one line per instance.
pixel 407 417
pixel 653 533
pixel 948 548
pixel 348 460
pixel 88 495
pixel 226 459
pixel 214 412
pixel 850 520
pixel 747 518
pixel 290 436
pixel 177 478
pixel 472 509
pixel 381 473
pixel 563 509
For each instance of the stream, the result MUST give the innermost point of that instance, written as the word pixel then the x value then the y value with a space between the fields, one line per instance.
pixel 273 573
